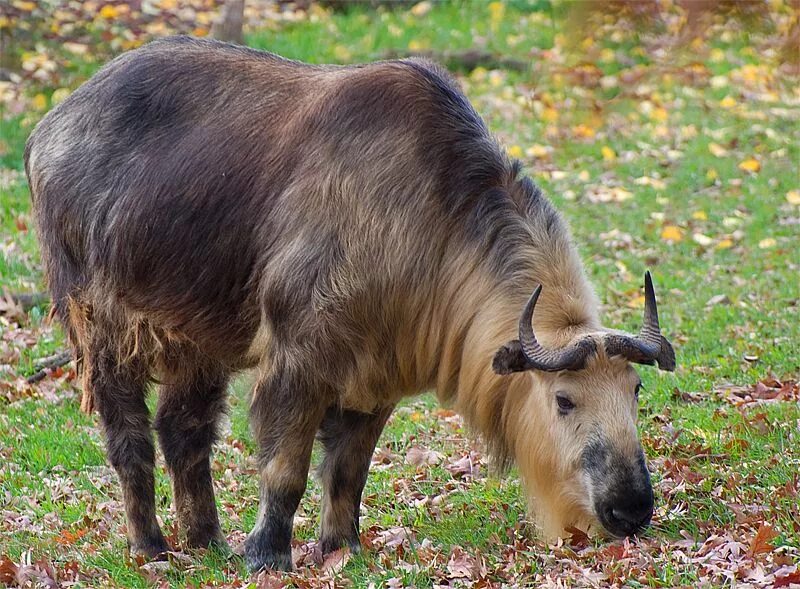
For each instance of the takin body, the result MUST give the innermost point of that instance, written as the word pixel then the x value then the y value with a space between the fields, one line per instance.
pixel 355 235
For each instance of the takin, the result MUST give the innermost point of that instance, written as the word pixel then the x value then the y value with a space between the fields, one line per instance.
pixel 353 234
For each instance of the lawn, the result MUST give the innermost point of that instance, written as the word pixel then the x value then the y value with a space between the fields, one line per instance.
pixel 667 147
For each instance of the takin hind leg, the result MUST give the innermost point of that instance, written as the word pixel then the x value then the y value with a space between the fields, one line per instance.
pixel 286 412
pixel 119 389
pixel 349 439
pixel 186 422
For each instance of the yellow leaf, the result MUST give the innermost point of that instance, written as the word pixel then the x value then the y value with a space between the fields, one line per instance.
pixel 717 150
pixel 76 48
pixel 515 151
pixel 700 215
pixel 637 302
pixel 609 154
pixel 767 243
pixel 342 53
pixel 479 74
pixel 659 114
pixel 719 81
pixel 750 165
pixel 724 244
pixel 421 8
pixel 607 55
pixel 656 183
pixel 711 175
pixel 496 12
pixel 727 102
pixel 717 55
pixel 537 151
pixel 550 115
pixel 40 102
pixel 59 95
pixel 584 176
pixel 415 45
pixel 793 197
pixel 108 12
pixel 583 131
pixel 26 6
pixel 671 233
pixel 495 79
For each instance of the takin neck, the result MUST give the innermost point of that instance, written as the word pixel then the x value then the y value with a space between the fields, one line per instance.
pixel 482 313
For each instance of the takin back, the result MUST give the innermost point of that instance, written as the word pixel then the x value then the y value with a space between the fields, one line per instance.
pixel 355 235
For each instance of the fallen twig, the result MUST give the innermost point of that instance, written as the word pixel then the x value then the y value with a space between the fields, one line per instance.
pixel 47 365
pixel 29 300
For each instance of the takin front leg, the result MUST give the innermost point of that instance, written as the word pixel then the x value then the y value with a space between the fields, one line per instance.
pixel 285 416
pixel 349 438
pixel 186 422
pixel 119 393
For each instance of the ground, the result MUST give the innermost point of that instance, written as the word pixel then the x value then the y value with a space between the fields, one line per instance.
pixel 669 141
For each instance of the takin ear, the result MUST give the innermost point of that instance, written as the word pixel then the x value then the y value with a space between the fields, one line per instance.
pixel 666 357
pixel 510 358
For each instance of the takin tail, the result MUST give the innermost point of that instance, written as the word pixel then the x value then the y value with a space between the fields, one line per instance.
pixel 76 318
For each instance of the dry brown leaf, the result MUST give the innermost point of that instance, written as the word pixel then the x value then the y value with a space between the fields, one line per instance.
pixel 761 541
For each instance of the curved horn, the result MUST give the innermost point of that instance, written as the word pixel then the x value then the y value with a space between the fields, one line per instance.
pixel 649 346
pixel 539 358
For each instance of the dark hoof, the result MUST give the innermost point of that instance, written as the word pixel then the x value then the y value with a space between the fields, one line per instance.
pixel 332 544
pixel 259 557
pixel 213 540
pixel 155 549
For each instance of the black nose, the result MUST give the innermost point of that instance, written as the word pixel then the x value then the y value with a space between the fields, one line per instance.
pixel 628 518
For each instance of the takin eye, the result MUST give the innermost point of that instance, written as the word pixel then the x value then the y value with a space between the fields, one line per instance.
pixel 564 404
pixel 636 391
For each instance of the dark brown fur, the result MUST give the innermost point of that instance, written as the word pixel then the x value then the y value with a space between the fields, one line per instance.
pixel 205 208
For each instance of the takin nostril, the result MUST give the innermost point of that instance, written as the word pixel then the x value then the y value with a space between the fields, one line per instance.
pixel 631 520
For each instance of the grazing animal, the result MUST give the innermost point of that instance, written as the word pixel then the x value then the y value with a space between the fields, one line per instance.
pixel 356 235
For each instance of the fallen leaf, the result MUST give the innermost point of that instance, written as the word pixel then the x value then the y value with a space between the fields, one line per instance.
pixel 462 565
pixel 578 538
pixel 761 541
pixel 702 239
pixel 785 581
pixel 537 151
pixel 720 299
pixel 336 560
pixel 421 8
pixel 422 456
pixel 672 233
pixel 717 150
pixel 8 570
pixel 750 165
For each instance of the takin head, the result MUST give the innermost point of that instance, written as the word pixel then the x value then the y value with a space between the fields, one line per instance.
pixel 575 436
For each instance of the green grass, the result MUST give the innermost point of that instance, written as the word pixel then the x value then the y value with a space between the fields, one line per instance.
pixel 53 471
